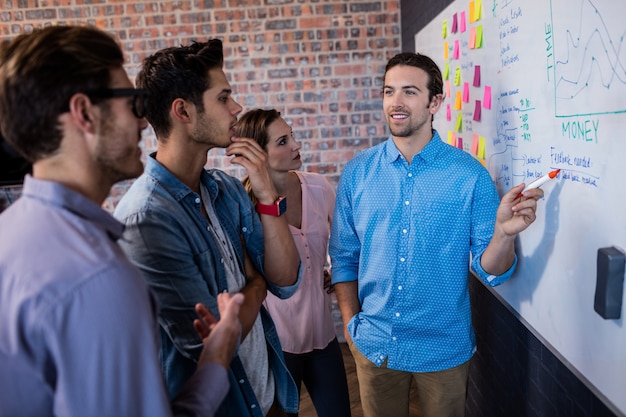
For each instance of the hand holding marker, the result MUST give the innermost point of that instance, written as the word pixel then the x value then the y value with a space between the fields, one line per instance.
pixel 540 181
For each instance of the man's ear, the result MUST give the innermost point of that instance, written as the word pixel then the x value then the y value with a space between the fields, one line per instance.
pixel 182 110
pixel 82 112
pixel 435 103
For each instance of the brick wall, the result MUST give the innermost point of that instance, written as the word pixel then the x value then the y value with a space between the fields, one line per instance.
pixel 317 61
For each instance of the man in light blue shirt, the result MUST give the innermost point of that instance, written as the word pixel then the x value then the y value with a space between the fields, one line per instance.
pixel 409 212
pixel 78 326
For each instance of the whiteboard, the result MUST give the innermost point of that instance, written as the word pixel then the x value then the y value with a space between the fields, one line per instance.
pixel 557 74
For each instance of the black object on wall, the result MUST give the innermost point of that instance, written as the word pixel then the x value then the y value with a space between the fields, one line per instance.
pixel 414 15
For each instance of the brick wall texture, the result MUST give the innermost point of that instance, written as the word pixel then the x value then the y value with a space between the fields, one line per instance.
pixel 319 62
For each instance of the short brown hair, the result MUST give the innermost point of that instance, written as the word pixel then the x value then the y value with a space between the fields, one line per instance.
pixel 40 72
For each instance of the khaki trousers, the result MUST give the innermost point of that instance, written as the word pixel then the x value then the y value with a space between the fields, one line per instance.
pixel 385 392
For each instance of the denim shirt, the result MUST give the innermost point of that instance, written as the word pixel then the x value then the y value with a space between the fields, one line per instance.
pixel 169 239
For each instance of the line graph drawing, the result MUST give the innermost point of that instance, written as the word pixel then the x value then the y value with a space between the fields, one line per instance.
pixel 589 57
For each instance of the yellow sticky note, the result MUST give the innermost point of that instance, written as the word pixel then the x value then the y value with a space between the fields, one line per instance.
pixel 459 122
pixel 479 36
pixel 471 12
pixel 458 102
pixel 451 136
pixel 457 76
pixel 444 28
pixel 446 52
pixel 482 142
pixel 446 71
pixel 478 5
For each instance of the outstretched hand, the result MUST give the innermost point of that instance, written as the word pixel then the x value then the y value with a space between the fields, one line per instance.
pixel 219 337
pixel 516 212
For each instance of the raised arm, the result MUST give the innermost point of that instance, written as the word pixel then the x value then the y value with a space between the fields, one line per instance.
pixel 281 259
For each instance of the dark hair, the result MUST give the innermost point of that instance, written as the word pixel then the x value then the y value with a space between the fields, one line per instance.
pixel 435 81
pixel 40 72
pixel 177 72
pixel 253 125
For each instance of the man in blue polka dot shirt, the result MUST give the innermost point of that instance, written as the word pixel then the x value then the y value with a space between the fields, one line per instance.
pixel 409 212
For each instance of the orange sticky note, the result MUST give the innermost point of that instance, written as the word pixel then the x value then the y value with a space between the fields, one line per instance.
pixel 445 50
pixel 457 102
pixel 471 12
pixel 487 97
pixel 465 92
pixel 474 144
pixel 459 122
pixel 482 142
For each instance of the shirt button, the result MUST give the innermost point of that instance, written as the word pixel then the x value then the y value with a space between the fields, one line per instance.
pixel 253 406
pixel 381 357
pixel 393 338
pixel 400 287
pixel 406 203
pixel 241 381
pixel 397 314
pixel 410 175
pixel 401 259
pixel 244 229
pixel 404 231
pixel 197 200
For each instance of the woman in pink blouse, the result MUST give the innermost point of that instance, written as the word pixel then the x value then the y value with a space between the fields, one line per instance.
pixel 304 322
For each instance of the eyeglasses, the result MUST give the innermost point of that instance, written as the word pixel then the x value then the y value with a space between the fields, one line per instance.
pixel 139 97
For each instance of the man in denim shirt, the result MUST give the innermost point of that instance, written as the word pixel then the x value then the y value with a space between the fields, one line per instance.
pixel 195 234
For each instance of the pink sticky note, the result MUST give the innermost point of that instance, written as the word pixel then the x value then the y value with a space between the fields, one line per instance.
pixel 454 24
pixel 459 142
pixel 462 23
pixel 448 88
pixel 457 49
pixel 476 76
pixel 477 111
pixel 487 97
pixel 474 143
pixel 465 92
pixel 448 112
pixel 472 38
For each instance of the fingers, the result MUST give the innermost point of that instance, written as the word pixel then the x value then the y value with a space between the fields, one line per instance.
pixel 229 306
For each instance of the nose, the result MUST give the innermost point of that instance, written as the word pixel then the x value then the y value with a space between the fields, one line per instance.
pixel 236 108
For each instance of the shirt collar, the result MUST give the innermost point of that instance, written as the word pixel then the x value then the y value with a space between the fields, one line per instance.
pixel 56 194
pixel 428 154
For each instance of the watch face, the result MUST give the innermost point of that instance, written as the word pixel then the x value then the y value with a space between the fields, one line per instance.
pixel 282 205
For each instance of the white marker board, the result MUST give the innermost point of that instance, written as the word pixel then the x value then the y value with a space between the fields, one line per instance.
pixel 557 74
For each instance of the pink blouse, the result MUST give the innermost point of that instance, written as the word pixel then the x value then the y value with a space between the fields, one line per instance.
pixel 304 321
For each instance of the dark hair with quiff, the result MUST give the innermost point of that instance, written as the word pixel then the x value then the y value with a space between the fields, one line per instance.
pixel 177 72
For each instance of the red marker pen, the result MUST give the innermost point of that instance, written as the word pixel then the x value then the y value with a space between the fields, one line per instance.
pixel 540 181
